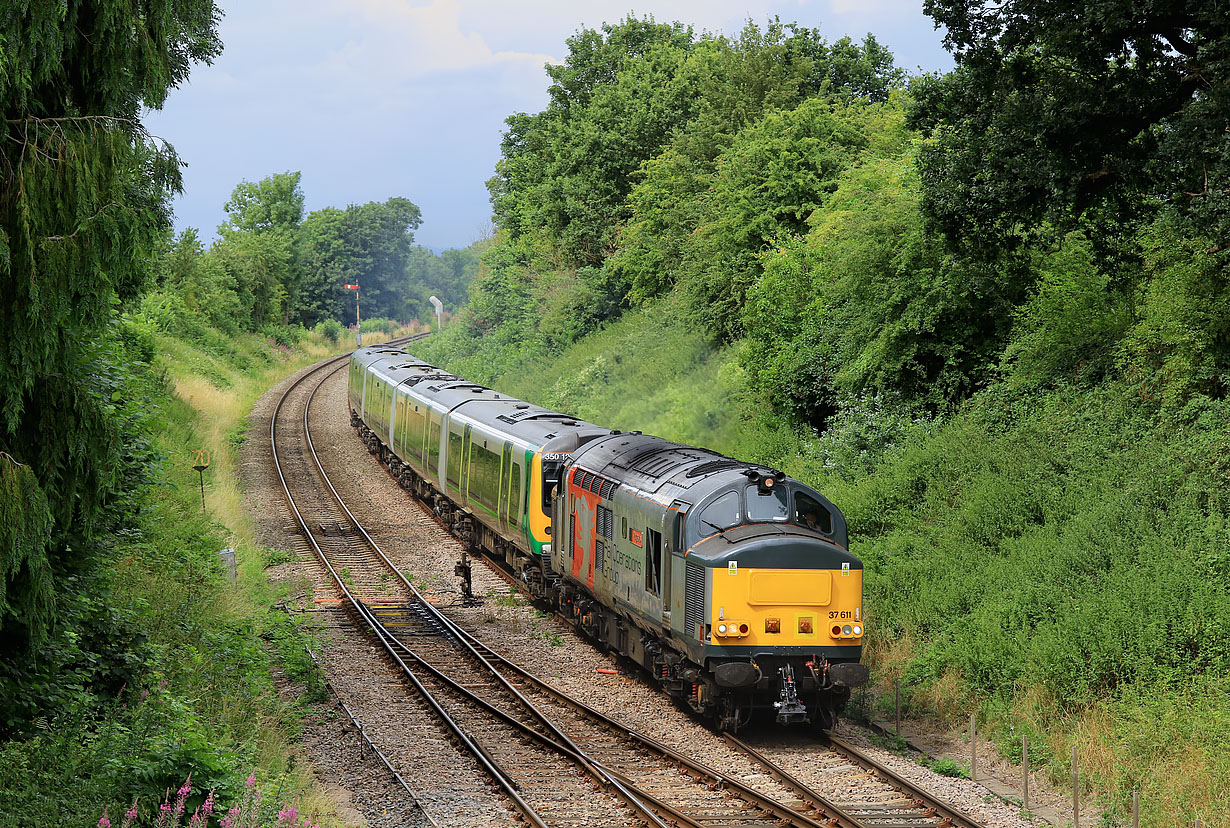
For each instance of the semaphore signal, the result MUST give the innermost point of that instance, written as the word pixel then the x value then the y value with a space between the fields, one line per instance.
pixel 358 329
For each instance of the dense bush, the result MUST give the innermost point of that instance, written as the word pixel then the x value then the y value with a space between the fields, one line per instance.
pixel 387 326
pixel 330 329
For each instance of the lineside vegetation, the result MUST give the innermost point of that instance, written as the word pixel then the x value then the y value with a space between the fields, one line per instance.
pixel 993 327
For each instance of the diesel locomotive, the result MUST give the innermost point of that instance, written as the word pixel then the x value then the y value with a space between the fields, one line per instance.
pixel 730 583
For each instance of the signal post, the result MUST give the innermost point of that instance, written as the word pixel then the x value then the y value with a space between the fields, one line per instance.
pixel 358 328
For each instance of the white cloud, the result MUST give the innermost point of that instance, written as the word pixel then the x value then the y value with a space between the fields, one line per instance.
pixel 399 41
pixel 875 8
pixel 372 98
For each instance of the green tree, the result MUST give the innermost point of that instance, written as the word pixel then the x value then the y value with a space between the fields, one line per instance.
pixel 869 303
pixel 258 246
pixel 566 171
pixel 273 203
pixel 368 244
pixel 83 198
pixel 776 173
pixel 1082 111
pixel 737 81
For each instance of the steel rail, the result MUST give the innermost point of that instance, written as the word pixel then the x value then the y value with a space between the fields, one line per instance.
pixel 821 805
pixel 947 813
pixel 431 821
pixel 825 807
pixel 555 739
pixel 505 783
pixel 560 743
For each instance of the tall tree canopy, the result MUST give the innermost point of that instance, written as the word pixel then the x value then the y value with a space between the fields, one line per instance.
pixel 1080 108
pixel 83 191
pixel 369 244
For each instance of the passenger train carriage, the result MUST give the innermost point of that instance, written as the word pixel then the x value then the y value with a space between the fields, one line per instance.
pixel 731 583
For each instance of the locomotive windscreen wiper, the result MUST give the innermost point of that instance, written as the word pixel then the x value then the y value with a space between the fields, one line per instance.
pixel 719 529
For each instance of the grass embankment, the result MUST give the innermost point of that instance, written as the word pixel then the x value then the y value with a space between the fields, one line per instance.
pixel 1055 559
pixel 201 697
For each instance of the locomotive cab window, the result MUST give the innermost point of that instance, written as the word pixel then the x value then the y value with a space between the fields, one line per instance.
pixel 720 514
pixel 550 479
pixel 811 514
pixel 768 504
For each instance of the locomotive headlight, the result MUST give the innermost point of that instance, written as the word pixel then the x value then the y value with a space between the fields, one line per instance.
pixel 846 630
pixel 858 630
pixel 721 629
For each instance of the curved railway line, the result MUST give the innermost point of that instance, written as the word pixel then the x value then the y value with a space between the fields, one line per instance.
pixel 526 751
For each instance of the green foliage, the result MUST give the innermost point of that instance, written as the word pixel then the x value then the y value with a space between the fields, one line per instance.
pixel 387 326
pixel 330 329
pixel 1068 329
pixel 446 276
pixel 1179 342
pixel 776 173
pixel 1089 109
pixel 369 245
pixel 868 303
pixel 275 203
pixel 82 206
pixel 949 767
pixel 25 530
pixel 292 645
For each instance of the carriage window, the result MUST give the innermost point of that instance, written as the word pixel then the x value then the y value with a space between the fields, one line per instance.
pixel 767 505
pixel 811 514
pixel 722 513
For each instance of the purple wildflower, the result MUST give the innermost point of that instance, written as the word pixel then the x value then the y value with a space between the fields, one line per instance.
pixel 103 822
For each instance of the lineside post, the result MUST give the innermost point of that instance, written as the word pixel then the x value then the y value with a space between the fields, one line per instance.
pixel 897 693
pixel 1025 771
pixel 1076 793
pixel 973 748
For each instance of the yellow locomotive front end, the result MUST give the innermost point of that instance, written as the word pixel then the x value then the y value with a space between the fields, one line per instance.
pixel 768 607
pixel 775 608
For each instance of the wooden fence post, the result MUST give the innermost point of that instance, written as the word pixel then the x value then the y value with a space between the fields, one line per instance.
pixel 973 748
pixel 1076 798
pixel 1025 771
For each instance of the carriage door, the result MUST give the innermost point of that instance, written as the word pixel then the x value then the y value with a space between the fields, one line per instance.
pixel 466 446
pixel 506 476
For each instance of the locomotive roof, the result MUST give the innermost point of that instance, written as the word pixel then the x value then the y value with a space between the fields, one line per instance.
pixel 652 464
pixel 381 353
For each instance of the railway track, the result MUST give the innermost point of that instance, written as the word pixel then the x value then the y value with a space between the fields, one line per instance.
pixel 553 760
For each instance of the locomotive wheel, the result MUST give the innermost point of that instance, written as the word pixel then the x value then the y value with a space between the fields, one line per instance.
pixel 826 717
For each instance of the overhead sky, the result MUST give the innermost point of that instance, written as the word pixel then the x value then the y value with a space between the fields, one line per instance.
pixel 370 99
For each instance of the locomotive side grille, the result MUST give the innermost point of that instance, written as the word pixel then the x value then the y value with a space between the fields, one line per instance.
pixel 599 555
pixel 605 523
pixel 607 490
pixel 693 598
